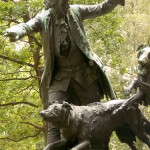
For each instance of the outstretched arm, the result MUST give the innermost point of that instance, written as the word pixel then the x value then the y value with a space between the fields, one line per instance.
pixel 90 11
pixel 18 31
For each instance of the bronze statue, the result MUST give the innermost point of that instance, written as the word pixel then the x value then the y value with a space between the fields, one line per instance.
pixel 142 84
pixel 90 127
pixel 72 72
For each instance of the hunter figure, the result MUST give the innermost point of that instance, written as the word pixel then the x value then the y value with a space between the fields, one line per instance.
pixel 72 72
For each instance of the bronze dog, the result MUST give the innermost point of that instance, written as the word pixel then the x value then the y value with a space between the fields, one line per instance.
pixel 90 127
pixel 142 83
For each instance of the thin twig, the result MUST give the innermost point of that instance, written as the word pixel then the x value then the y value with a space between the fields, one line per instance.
pixel 33 125
pixel 10 79
pixel 16 61
pixel 18 103
pixel 23 138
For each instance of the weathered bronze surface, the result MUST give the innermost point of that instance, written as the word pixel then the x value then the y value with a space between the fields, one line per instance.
pixel 90 127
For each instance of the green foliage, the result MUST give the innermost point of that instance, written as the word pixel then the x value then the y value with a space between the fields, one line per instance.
pixel 106 40
pixel 21 126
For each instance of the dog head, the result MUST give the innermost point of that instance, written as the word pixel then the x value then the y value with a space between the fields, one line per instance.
pixel 57 114
pixel 143 54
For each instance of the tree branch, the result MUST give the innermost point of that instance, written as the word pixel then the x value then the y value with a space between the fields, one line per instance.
pixel 26 87
pixel 16 61
pixel 23 138
pixel 16 79
pixel 35 40
pixel 11 73
pixel 33 125
pixel 18 103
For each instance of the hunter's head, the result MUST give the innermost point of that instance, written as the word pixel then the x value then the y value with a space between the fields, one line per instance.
pixel 60 6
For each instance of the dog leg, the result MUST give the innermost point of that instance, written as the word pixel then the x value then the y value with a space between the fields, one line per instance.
pixel 143 137
pixel 85 145
pixel 130 87
pixel 146 125
pixel 59 145
pixel 135 84
pixel 126 135
pixel 143 86
pixel 134 99
pixel 140 125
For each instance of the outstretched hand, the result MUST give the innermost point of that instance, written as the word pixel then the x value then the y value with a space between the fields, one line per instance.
pixel 13 36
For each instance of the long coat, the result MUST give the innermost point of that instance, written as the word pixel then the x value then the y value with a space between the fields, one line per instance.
pixel 44 23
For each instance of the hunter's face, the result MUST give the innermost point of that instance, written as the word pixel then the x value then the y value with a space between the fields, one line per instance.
pixel 47 4
pixel 62 7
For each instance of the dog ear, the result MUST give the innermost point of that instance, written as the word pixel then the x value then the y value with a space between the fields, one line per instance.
pixel 67 106
pixel 141 46
pixel 53 102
